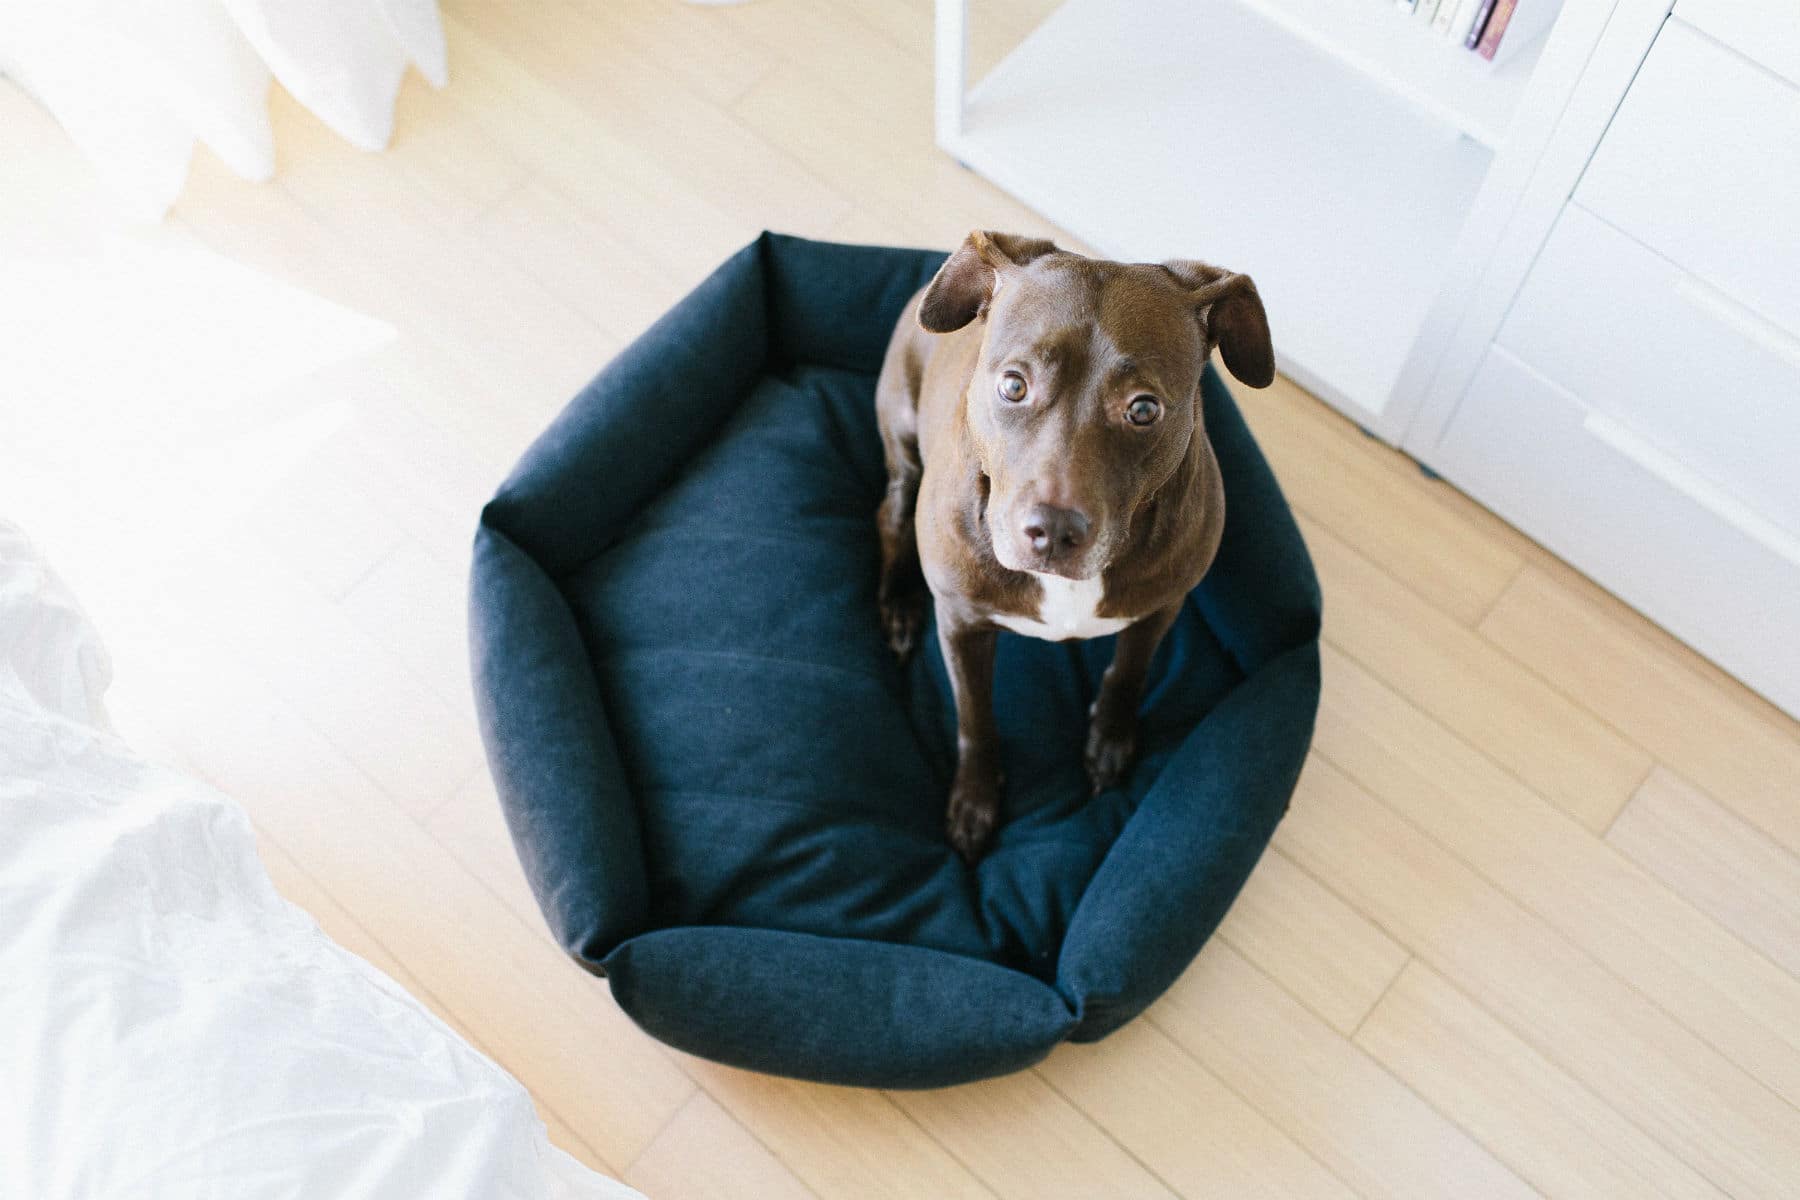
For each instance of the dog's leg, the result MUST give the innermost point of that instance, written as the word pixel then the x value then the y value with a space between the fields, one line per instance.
pixel 901 593
pixel 1112 728
pixel 975 796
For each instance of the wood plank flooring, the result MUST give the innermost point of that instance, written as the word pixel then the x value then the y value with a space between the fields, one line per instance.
pixel 1531 928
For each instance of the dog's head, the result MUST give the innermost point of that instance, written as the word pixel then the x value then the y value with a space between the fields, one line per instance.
pixel 1086 394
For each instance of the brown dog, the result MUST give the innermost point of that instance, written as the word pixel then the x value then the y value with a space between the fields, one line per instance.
pixel 1048 473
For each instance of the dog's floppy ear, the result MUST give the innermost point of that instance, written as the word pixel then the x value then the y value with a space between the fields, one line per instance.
pixel 1232 315
pixel 967 281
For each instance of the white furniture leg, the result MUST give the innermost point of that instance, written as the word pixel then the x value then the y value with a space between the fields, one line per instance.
pixel 952 62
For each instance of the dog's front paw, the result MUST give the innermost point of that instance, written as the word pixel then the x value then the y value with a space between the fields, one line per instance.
pixel 903 620
pixel 1111 747
pixel 974 811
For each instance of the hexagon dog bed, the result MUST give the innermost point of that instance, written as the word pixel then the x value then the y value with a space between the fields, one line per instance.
pixel 727 794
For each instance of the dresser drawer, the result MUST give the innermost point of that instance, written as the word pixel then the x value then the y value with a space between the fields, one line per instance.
pixel 1693 560
pixel 1767 31
pixel 1702 164
pixel 1651 347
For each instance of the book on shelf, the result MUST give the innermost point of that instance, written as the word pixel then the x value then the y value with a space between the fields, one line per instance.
pixel 1466 12
pixel 1476 27
pixel 1445 17
pixel 1495 29
pixel 1426 11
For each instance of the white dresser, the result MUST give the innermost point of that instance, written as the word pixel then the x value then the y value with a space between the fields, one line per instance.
pixel 1635 400
pixel 1570 284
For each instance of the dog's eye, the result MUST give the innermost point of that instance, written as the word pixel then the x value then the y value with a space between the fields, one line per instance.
pixel 1143 410
pixel 1011 387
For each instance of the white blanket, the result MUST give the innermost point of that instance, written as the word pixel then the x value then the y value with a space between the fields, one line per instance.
pixel 169 1025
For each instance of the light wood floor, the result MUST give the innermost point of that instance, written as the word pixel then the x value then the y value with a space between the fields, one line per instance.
pixel 1533 925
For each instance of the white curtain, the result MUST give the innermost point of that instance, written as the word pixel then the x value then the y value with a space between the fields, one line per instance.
pixel 138 82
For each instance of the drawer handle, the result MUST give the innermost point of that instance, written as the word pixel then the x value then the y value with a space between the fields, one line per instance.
pixel 1701 491
pixel 1757 328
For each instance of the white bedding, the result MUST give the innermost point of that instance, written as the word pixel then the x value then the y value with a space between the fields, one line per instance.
pixel 138 83
pixel 169 1026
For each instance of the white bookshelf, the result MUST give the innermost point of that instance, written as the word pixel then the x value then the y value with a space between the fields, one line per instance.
pixel 1331 148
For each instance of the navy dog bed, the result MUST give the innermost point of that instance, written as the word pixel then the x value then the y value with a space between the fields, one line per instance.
pixel 729 796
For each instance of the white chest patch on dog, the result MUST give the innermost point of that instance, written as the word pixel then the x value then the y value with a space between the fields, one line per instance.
pixel 1066 611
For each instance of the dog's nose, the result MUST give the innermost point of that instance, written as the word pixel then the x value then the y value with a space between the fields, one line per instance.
pixel 1053 532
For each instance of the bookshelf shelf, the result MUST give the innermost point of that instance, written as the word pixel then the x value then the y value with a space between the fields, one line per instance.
pixel 1280 137
pixel 1403 55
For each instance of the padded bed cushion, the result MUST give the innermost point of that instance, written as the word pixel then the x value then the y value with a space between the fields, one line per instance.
pixel 728 795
